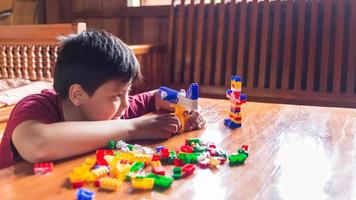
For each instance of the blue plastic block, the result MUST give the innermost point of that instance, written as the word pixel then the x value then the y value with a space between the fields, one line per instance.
pixel 231 124
pixel 193 91
pixel 236 78
pixel 83 194
pixel 243 97
pixel 168 94
pixel 159 148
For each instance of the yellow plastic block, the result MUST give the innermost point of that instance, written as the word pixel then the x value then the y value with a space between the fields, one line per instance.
pixel 100 172
pixel 74 177
pixel 120 171
pixel 110 183
pixel 90 177
pixel 182 114
pixel 214 162
pixel 89 163
pixel 80 170
pixel 109 158
pixel 142 183
pixel 236 86
pixel 156 163
pixel 234 115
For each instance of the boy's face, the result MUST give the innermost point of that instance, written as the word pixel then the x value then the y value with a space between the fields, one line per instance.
pixel 109 101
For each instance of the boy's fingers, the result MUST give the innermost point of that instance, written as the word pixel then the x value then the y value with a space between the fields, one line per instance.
pixel 171 128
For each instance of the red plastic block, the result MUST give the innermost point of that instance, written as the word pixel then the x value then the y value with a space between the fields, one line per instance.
pixel 177 162
pixel 100 156
pixel 158 170
pixel 222 160
pixel 155 157
pixel 244 147
pixel 97 183
pixel 212 152
pixel 188 169
pixel 42 168
pixel 164 153
pixel 78 184
pixel 186 149
pixel 204 164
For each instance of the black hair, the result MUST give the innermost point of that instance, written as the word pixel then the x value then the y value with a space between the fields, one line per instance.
pixel 92 58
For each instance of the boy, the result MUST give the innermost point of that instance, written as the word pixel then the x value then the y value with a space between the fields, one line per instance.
pixel 92 79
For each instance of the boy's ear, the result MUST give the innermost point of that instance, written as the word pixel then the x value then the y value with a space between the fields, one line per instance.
pixel 76 94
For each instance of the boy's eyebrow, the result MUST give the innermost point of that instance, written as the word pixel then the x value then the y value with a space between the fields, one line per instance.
pixel 123 88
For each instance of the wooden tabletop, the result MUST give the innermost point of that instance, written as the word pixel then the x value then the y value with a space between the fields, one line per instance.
pixel 296 152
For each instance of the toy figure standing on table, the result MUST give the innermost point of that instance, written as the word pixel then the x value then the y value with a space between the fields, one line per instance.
pixel 236 100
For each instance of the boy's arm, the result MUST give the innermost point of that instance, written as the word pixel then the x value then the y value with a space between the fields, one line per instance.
pixel 38 142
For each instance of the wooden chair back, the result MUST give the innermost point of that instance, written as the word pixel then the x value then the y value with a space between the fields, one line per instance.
pixel 30 51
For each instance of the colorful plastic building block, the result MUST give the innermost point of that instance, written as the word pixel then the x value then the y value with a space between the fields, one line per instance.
pixel 159 148
pixel 42 168
pixel 100 171
pixel 237 159
pixel 182 101
pixel 161 181
pixel 110 168
pixel 142 183
pixel 83 194
pixel 157 168
pixel 186 149
pixel 236 100
pixel 100 156
pixel 188 169
pixel 177 173
pixel 137 166
pixel 109 183
pixel 111 144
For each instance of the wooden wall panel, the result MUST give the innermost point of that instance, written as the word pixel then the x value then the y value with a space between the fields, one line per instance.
pixel 146 25
pixel 287 51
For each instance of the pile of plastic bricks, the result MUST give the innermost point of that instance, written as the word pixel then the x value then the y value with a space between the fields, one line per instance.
pixel 142 166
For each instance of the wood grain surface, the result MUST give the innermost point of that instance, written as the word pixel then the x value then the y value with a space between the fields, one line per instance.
pixel 296 152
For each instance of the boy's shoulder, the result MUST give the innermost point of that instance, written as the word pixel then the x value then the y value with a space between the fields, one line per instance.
pixel 46 104
pixel 47 96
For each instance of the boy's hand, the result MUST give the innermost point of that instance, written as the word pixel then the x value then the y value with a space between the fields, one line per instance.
pixel 155 126
pixel 195 121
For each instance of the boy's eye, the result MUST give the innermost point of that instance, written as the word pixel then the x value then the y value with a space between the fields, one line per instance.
pixel 116 97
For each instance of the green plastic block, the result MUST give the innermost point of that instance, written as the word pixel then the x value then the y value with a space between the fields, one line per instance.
pixel 111 144
pixel 193 157
pixel 198 148
pixel 237 159
pixel 177 176
pixel 177 170
pixel 137 166
pixel 191 140
pixel 161 181
pixel 130 146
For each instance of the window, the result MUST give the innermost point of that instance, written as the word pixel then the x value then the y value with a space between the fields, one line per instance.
pixel 138 3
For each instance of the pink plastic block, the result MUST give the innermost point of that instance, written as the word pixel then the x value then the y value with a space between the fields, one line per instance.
pixel 42 168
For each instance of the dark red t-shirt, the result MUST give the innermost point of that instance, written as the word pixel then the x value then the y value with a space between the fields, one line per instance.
pixel 47 108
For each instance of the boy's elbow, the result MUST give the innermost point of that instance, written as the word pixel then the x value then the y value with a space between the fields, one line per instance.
pixel 36 153
pixel 31 147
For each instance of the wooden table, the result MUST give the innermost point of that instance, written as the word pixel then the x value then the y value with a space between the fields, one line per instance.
pixel 296 152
